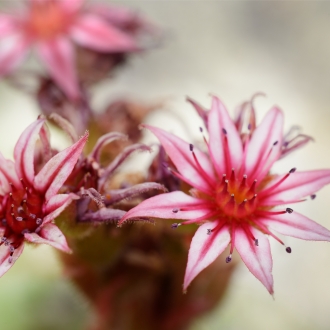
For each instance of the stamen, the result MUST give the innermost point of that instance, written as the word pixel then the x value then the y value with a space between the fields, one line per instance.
pixel 224 131
pixel 256 242
pixel 38 221
pixel 313 196
pixel 228 259
pixel 175 225
pixel 209 231
pixel 176 210
pixel 275 143
pixel 288 210
pixel 268 191
pixel 201 129
pixel 19 218
pixel 191 147
pixel 288 249
pixel 200 168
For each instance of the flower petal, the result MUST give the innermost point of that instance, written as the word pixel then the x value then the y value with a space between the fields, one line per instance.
pixel 113 166
pixel 261 151
pixel 102 215
pixel 49 234
pixel 258 259
pixel 52 176
pixel 5 262
pixel 7 167
pixel 204 249
pixel 71 6
pixel 103 141
pixel 225 143
pixel 8 25
pixel 93 32
pixel 162 206
pixel 24 151
pixel 297 225
pixel 180 154
pixel 296 186
pixel 56 205
pixel 12 53
pixel 58 56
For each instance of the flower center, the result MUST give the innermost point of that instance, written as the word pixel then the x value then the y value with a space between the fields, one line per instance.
pixel 47 19
pixel 22 211
pixel 235 197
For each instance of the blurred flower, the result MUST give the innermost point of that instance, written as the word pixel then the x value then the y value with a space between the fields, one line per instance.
pixel 50 26
pixel 234 194
pixel 29 200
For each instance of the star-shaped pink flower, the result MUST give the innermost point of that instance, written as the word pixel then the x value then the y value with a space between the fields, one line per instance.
pixel 50 27
pixel 235 200
pixel 29 201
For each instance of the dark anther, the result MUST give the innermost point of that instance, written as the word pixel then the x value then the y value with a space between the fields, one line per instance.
pixel 10 260
pixel 292 170
pixel 224 131
pixel 25 231
pixel 288 210
pixel 3 239
pixel 201 129
pixel 313 196
pixel 11 249
pixel 19 218
pixel 209 231
pixel 275 143
pixel 228 259
pixel 174 225
pixel 176 210
pixel 191 147
pixel 256 242
pixel 38 221
pixel 249 126
pixel 4 221
pixel 288 249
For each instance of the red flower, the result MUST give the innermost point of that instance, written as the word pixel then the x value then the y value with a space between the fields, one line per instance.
pixel 29 201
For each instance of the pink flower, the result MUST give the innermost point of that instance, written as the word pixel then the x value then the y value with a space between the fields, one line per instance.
pixel 51 26
pixel 234 195
pixel 29 201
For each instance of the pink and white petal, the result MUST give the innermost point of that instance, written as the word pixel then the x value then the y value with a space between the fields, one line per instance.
pixel 7 167
pixel 8 25
pixel 7 261
pixel 162 206
pixel 261 151
pixel 258 259
pixel 58 57
pixel 49 234
pixel 52 176
pixel 24 151
pixel 296 186
pixel 93 32
pixel 56 205
pixel 297 225
pixel 13 50
pixel 180 154
pixel 221 128
pixel 204 249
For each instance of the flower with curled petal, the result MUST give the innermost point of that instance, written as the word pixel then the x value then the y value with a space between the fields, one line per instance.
pixel 235 200
pixel 29 199
pixel 50 26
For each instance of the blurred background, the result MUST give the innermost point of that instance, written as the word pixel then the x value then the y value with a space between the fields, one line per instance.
pixel 231 49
